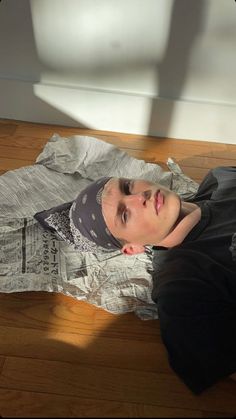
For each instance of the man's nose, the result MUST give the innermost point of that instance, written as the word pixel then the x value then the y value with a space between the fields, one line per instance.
pixel 139 198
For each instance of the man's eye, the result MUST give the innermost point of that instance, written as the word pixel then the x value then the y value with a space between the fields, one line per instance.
pixel 124 216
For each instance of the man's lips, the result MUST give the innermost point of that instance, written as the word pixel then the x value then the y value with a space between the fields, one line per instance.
pixel 159 201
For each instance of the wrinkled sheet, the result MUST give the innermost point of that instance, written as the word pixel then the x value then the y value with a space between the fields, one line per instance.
pixel 34 260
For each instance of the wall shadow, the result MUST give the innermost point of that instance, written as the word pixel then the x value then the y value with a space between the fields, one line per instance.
pixel 186 23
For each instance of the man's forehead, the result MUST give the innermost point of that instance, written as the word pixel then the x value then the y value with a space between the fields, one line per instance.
pixel 110 202
pixel 107 190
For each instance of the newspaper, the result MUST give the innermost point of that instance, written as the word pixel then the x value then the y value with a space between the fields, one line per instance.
pixel 30 259
pixel 34 260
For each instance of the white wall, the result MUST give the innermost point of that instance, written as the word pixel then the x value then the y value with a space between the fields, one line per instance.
pixel 159 67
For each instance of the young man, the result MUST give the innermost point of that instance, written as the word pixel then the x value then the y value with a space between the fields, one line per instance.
pixel 194 284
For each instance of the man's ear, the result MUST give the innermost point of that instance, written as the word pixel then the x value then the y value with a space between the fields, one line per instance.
pixel 132 249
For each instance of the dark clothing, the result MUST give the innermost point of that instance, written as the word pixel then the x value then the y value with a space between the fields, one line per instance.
pixel 194 286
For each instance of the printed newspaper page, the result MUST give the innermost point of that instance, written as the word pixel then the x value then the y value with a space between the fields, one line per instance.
pixel 30 258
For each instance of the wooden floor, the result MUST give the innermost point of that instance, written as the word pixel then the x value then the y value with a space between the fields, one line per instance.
pixel 64 358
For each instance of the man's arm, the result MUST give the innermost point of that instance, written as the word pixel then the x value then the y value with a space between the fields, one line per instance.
pixel 199 331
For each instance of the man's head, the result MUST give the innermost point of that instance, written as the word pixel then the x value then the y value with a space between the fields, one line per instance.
pixel 139 212
pixel 132 213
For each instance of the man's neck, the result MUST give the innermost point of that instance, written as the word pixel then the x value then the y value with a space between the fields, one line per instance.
pixel 190 215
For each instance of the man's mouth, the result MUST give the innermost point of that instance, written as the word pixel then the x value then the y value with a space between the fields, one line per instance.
pixel 159 201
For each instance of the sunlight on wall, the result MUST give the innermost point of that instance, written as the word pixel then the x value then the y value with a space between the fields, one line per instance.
pixel 89 34
pixel 97 110
pixel 103 47
pixel 145 67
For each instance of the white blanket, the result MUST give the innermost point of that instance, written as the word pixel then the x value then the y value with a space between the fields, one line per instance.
pixel 34 260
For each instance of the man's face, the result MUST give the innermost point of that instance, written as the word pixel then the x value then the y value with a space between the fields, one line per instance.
pixel 138 211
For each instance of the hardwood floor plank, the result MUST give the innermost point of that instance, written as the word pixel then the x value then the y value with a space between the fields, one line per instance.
pixel 22 142
pixel 14 403
pixel 79 348
pixel 205 162
pixel 120 385
pixel 133 141
pixel 8 128
pixel 126 325
pixel 19 153
pixel 46 311
pixel 128 140
pixel 168 146
pixel 12 164
pixel 46 131
pixel 2 360
pixel 43 311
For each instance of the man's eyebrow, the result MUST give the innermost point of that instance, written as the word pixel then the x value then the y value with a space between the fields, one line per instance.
pixel 120 207
pixel 121 184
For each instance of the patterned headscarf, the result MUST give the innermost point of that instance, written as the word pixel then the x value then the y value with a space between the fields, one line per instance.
pixel 81 222
pixel 86 219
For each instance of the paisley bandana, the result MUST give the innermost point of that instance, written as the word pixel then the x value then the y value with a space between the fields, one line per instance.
pixel 86 219
pixel 81 222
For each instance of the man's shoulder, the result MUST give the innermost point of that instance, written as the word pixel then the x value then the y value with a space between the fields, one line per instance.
pixel 225 180
pixel 219 178
pixel 223 174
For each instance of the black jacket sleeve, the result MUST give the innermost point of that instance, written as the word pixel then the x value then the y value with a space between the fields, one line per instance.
pixel 198 329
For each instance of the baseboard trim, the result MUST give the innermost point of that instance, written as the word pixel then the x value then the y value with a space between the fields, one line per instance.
pixel 118 112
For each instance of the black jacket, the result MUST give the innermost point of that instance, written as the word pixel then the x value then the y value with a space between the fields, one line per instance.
pixel 194 286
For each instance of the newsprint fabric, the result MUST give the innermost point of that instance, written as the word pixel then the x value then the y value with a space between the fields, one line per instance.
pixel 32 259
